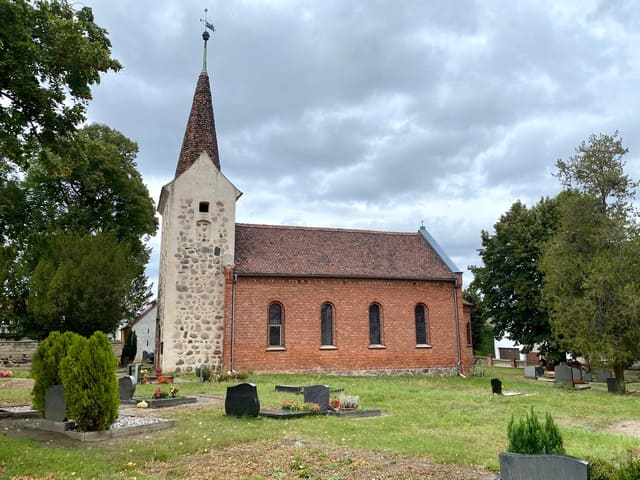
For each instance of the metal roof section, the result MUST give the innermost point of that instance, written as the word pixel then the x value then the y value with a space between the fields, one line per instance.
pixel 438 249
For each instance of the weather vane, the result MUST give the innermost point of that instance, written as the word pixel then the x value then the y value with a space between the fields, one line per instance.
pixel 205 37
pixel 205 34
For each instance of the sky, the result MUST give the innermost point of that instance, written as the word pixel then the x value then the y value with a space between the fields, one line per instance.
pixel 377 115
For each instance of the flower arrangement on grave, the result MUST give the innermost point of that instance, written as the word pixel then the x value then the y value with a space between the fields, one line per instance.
pixel 159 393
pixel 295 405
pixel 173 391
pixel 5 373
pixel 345 402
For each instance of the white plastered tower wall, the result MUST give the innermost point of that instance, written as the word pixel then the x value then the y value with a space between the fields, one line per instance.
pixel 198 211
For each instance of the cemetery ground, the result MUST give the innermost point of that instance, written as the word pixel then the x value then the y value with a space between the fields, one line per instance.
pixel 430 428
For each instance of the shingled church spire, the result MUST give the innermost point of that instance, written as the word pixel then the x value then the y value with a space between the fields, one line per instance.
pixel 200 134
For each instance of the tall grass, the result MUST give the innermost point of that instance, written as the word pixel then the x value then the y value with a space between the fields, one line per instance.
pixel 451 420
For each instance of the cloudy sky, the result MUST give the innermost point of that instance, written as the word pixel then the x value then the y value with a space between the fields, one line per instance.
pixel 377 114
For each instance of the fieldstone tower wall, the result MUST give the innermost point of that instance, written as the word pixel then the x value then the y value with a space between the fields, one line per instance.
pixel 198 239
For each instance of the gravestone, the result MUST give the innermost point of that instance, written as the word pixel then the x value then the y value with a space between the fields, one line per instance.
pixel 564 375
pixel 612 385
pixel 242 400
pixel 602 377
pixel 530 372
pixel 540 371
pixel 318 394
pixel 55 408
pixel 577 373
pixel 496 386
pixel 126 388
pixel 587 377
pixel 515 466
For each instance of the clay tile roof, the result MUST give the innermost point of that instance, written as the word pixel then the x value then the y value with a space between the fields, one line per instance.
pixel 304 251
pixel 200 133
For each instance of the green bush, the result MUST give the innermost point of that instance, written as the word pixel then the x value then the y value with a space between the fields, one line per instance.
pixel 45 367
pixel 601 469
pixel 91 389
pixel 529 436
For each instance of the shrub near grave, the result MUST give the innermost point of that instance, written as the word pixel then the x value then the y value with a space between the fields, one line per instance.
pixel 45 367
pixel 91 390
pixel 529 436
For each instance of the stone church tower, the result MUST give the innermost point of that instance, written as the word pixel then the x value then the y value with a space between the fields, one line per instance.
pixel 198 209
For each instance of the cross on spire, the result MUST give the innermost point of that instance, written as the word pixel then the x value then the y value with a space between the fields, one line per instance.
pixel 205 37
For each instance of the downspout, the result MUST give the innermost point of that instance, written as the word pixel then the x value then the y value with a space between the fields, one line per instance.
pixel 233 320
pixel 457 317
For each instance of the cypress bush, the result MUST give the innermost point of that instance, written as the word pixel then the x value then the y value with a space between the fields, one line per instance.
pixel 91 389
pixel 529 436
pixel 45 367
pixel 129 349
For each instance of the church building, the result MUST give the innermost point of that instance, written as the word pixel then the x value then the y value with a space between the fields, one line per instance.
pixel 272 298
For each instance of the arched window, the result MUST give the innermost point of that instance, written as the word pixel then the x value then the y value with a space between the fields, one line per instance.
pixel 275 325
pixel 421 325
pixel 326 324
pixel 375 325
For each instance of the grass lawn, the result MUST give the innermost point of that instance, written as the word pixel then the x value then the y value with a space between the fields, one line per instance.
pixel 448 420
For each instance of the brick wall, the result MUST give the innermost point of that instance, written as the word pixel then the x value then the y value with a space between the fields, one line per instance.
pixel 302 299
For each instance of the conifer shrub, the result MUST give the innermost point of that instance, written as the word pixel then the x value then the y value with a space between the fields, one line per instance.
pixel 88 374
pixel 45 366
pixel 129 349
pixel 529 436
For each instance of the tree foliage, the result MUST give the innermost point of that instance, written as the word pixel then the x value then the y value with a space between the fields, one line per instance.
pixel 80 284
pixel 592 273
pixel 509 283
pixel 90 386
pixel 130 348
pixel 72 217
pixel 51 54
pixel 481 331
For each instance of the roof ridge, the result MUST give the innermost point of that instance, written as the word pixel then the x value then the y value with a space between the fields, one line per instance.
pixel 326 229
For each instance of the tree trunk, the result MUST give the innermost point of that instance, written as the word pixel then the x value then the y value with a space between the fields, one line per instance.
pixel 618 370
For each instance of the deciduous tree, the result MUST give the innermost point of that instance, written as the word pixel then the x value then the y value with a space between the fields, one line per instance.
pixel 509 282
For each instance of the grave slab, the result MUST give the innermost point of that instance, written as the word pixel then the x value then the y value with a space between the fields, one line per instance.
pixel 126 387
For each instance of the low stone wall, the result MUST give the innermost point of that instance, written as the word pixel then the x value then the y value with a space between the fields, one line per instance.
pixel 16 350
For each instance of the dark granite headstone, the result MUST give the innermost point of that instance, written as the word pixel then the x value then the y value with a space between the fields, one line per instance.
pixel 530 372
pixel 496 386
pixel 318 394
pixel 514 466
pixel 126 387
pixel 612 385
pixel 564 375
pixel 242 400
pixel 55 408
pixel 539 371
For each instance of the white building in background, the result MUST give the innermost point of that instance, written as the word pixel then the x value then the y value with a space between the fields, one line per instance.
pixel 145 327
pixel 507 349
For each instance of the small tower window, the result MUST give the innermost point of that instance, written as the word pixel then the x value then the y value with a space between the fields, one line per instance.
pixel 203 207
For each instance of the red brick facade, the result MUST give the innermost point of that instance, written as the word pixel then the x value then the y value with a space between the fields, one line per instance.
pixel 302 298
